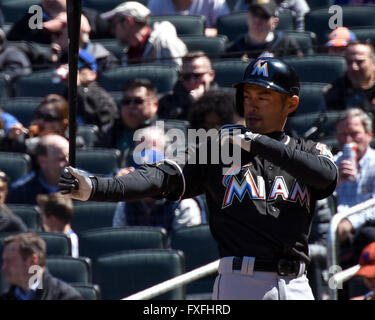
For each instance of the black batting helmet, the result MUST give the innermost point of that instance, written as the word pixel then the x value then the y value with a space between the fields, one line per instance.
pixel 270 73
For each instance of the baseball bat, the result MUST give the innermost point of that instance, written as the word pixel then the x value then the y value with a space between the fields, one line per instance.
pixel 74 8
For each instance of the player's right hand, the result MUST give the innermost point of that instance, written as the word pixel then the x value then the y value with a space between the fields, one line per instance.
pixel 75 183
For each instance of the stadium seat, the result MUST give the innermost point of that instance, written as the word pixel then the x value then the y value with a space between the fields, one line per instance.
pixel 228 71
pixel 212 46
pixel 185 25
pixel 15 164
pixel 21 107
pixel 311 97
pixel 234 24
pixel 122 274
pixel 38 84
pixel 69 269
pixel 306 40
pixel 88 291
pixel 111 45
pixel 315 4
pixel 318 68
pixel 163 77
pixel 314 126
pixel 94 243
pixel 98 161
pixel 365 34
pixel 92 215
pixel 13 10
pixel 199 249
pixel 28 213
pixel 89 134
pixel 58 244
pixel 4 89
pixel 106 5
pixel 317 20
pixel 231 4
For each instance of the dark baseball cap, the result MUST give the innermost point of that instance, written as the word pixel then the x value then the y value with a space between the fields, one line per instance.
pixel 270 7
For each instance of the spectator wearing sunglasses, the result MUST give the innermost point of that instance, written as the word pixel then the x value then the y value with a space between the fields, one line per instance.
pixel 138 109
pixel 8 221
pixel 261 38
pixel 196 78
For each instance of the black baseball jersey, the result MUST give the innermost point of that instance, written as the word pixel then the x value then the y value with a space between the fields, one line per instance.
pixel 262 208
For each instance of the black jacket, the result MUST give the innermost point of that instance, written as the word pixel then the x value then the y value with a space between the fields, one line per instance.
pixel 10 222
pixel 53 289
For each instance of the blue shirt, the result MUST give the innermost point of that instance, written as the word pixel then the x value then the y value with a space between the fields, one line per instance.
pixel 362 189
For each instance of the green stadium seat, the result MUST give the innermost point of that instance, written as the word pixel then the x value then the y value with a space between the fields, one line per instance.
pixel 365 34
pixel 315 4
pixel 185 25
pixel 92 215
pixel 88 291
pixel 14 10
pixel 98 161
pixel 163 77
pixel 4 88
pixel 306 40
pixel 199 249
pixel 122 274
pixel 15 164
pixel 89 134
pixel 317 20
pixel 69 269
pixel 318 68
pixel 311 97
pixel 58 244
pixel 98 242
pixel 38 84
pixel 21 107
pixel 111 45
pixel 212 46
pixel 228 71
pixel 29 214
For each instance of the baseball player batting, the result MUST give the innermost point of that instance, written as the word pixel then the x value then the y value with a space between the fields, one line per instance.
pixel 260 213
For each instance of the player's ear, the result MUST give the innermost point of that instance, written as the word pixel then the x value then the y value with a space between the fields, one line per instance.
pixel 293 103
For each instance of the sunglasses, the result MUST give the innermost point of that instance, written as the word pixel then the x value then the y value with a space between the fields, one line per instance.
pixel 194 76
pixel 130 100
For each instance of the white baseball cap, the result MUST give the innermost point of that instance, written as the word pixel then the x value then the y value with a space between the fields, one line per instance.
pixel 129 8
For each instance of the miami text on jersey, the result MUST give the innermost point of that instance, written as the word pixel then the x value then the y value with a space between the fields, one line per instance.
pixel 256 190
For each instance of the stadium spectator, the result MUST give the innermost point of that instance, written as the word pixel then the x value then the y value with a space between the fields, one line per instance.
pixel 51 155
pixel 94 104
pixel 196 78
pixel 210 9
pixel 58 27
pixel 159 44
pixel 356 88
pixel 261 38
pixel 151 212
pixel 356 182
pixel 338 40
pixel 14 62
pixel 9 222
pixel 139 106
pixel 367 271
pixel 57 213
pixel 299 7
pixel 21 30
pixel 211 111
pixel 24 267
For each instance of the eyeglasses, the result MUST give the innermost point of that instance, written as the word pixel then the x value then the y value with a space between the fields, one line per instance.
pixel 192 75
pixel 130 100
